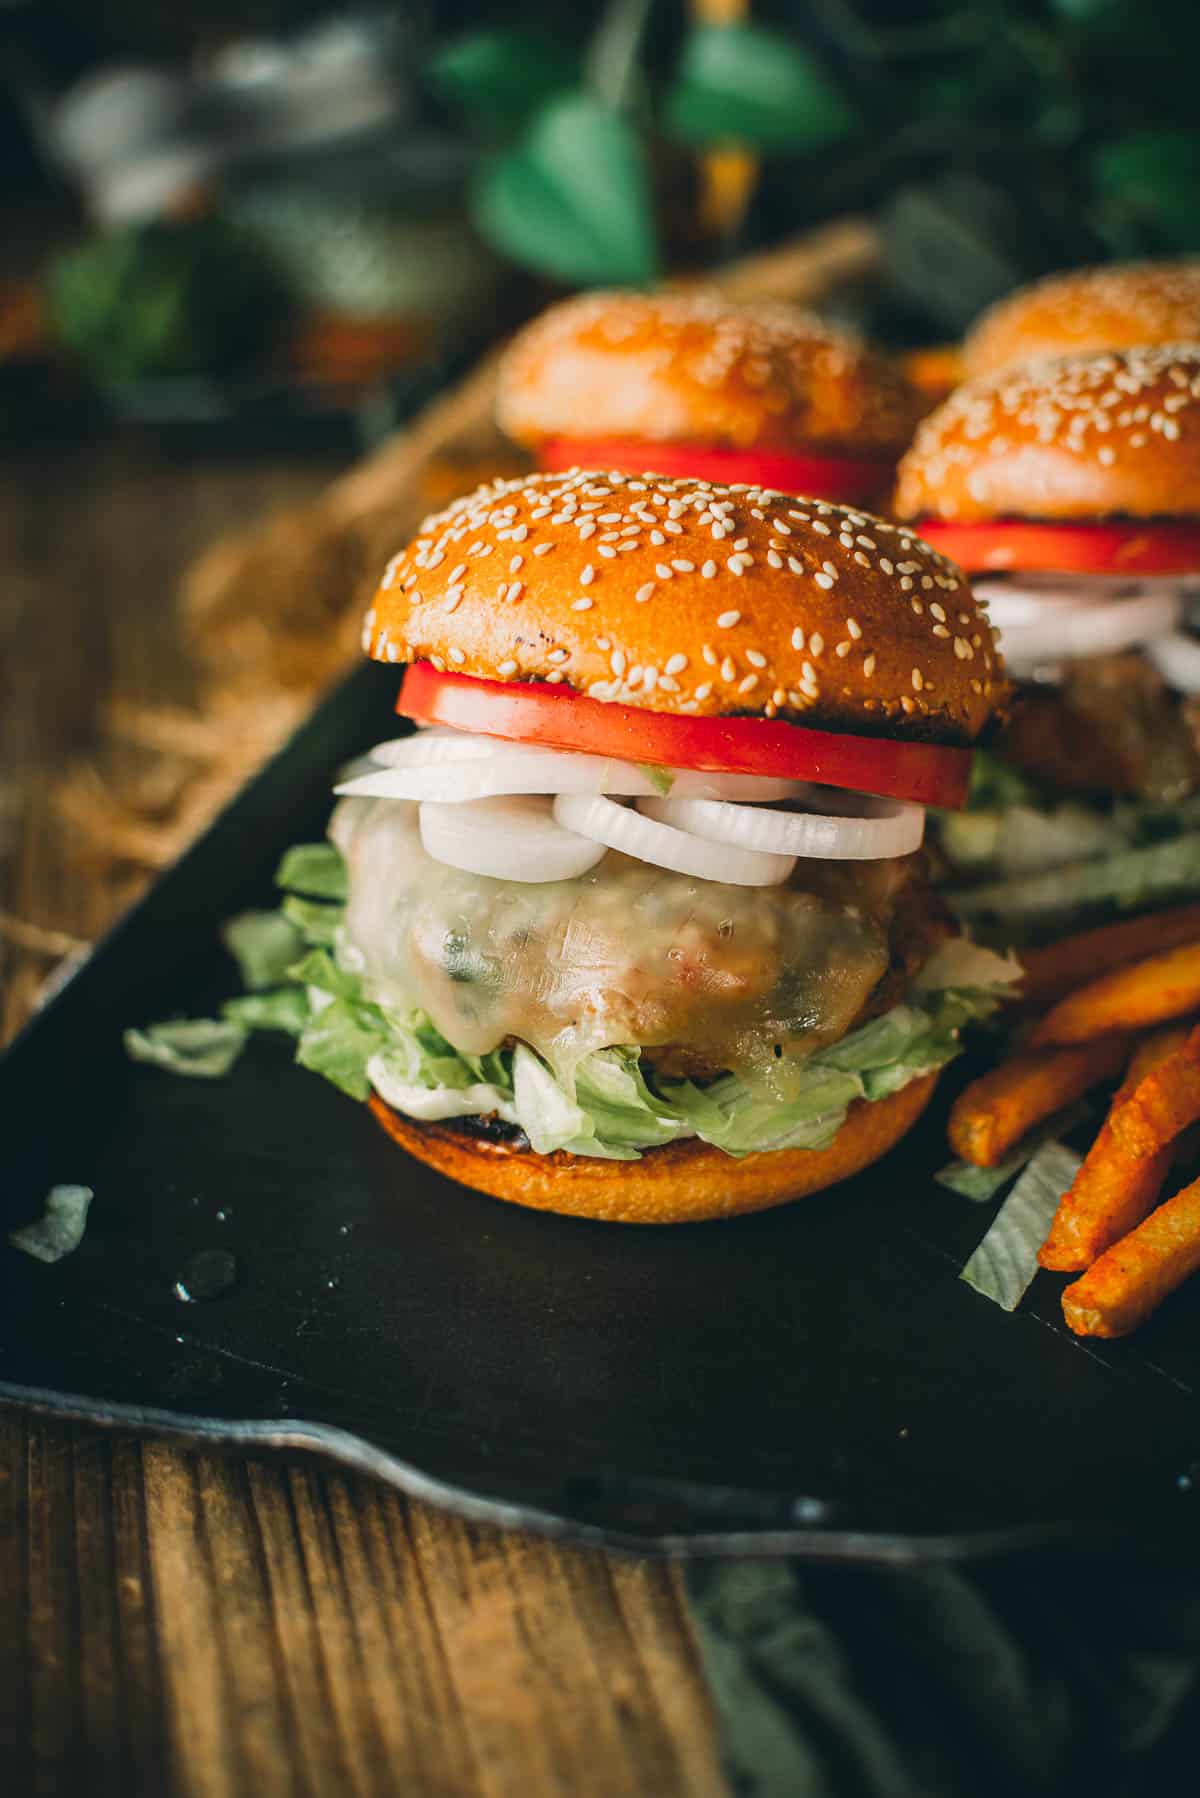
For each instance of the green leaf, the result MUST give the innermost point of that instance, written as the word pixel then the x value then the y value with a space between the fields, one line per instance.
pixel 502 76
pixel 59 1230
pixel 317 923
pixel 315 869
pixel 285 1009
pixel 1152 178
pixel 340 1040
pixel 203 1048
pixel 264 944
pixel 753 86
pixel 1006 1260
pixel 573 200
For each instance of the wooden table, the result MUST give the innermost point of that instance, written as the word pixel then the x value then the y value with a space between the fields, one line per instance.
pixel 180 1623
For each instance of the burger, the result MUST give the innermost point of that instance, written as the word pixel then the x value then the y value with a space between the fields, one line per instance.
pixel 1119 307
pixel 690 384
pixel 1069 489
pixel 634 921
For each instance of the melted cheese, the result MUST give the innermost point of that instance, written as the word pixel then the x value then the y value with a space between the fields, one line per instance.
pixel 753 979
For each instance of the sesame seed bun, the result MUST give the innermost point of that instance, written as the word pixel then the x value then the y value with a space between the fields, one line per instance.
pixel 693 368
pixel 1082 437
pixel 682 596
pixel 1089 310
pixel 682 1183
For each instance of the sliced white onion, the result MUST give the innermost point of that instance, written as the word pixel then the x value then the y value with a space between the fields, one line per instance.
pixel 877 830
pixel 1054 622
pixel 457 767
pixel 511 838
pixel 665 846
pixel 1177 658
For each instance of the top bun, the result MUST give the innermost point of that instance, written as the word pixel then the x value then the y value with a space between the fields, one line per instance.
pixel 1081 437
pixel 1092 309
pixel 693 368
pixel 683 596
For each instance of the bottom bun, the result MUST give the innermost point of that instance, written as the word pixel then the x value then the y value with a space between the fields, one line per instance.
pixel 682 1183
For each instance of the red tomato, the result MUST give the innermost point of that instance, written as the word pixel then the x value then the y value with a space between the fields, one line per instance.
pixel 926 773
pixel 1011 543
pixel 848 478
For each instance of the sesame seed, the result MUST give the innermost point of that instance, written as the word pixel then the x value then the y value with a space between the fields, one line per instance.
pixel 581 605
pixel 798 638
pixel 650 678
pixel 456 655
pixel 704 689
pixel 936 611
pixel 939 630
pixel 816 643
pixel 557 655
pixel 454 597
pixel 756 658
pixel 823 580
pixel 516 589
pixel 676 664
pixel 773 557
pixel 587 576
pixel 709 569
pixel 604 643
pixel 748 684
pixel 662 571
pixel 586 529
pixel 656 537
pixel 606 550
pixel 854 627
pixel 869 666
pixel 809 673
pixel 916 605
pixel 796 565
pixel 842 649
pixel 728 669
pixel 684 567
pixel 457 572
pixel 710 655
pixel 517 562
pixel 617 662
pixel 542 549
pixel 520 534
pixel 862 560
pixel 917 680
pixel 738 564
pixel 727 620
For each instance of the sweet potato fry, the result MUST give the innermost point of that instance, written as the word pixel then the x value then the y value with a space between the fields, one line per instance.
pixel 1150 991
pixel 1122 1288
pixel 1058 968
pixel 996 1110
pixel 1162 1104
pixel 1113 1190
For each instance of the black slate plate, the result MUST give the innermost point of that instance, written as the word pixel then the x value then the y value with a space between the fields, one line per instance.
pixel 816 1379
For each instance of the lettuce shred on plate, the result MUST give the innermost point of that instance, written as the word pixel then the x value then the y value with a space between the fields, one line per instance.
pixel 607 1103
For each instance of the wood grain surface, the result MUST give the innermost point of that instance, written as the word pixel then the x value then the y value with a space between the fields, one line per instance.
pixel 175 1623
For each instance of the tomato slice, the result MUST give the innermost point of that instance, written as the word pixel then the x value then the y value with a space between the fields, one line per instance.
pixel 1010 543
pixel 926 773
pixel 848 478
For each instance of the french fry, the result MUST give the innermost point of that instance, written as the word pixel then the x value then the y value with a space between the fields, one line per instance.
pixel 1147 992
pixel 1113 1190
pixel 1122 1288
pixel 1058 968
pixel 1163 1104
pixel 996 1110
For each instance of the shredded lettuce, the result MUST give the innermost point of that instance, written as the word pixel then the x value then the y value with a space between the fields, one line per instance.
pixel 317 922
pixel 1005 1262
pixel 662 778
pixel 285 1008
pixel 1128 881
pixel 314 869
pixel 59 1230
pixel 264 944
pixel 203 1048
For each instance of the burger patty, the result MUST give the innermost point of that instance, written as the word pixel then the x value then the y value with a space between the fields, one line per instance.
pixel 702 977
pixel 1112 726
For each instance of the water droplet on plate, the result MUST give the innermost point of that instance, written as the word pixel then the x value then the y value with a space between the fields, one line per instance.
pixel 208 1274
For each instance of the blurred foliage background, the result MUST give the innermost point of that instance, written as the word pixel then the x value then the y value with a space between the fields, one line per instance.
pixel 464 162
